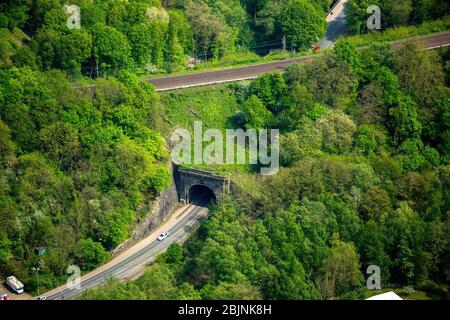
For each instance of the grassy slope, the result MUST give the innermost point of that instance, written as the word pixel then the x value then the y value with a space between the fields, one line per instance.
pixel 215 106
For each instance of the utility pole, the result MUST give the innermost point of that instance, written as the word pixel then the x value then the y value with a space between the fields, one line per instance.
pixel 37 277
pixel 284 47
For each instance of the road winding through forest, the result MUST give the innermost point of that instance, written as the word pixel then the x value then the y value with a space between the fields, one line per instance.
pixel 130 264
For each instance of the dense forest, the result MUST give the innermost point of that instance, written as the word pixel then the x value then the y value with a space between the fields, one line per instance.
pixel 365 149
pixel 77 170
pixel 395 12
pixel 365 181
pixel 152 35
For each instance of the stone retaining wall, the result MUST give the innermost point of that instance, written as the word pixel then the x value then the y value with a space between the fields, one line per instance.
pixel 163 205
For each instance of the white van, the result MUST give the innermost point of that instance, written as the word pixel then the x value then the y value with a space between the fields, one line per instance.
pixel 15 284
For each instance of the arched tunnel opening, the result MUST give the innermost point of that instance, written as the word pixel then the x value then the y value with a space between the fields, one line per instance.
pixel 200 195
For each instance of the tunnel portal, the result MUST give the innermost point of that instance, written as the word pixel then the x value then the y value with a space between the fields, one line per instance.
pixel 201 195
pixel 200 186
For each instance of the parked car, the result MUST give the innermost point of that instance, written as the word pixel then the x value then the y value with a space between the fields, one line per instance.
pixel 163 236
pixel 42 298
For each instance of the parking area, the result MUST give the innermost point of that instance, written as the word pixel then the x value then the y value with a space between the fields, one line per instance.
pixel 11 295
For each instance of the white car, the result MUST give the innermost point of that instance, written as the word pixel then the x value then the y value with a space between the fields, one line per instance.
pixel 42 298
pixel 163 236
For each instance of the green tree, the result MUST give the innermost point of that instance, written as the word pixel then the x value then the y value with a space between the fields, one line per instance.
pixel 174 253
pixel 371 139
pixel 375 204
pixel 74 49
pixel 110 47
pixel 404 120
pixel 158 283
pixel 91 254
pixel 302 22
pixel 340 271
pixel 24 56
pixel 60 143
pixel 235 291
pixel 337 130
pixel 178 39
pixel 211 35
pixel 411 154
pixel 141 43
pixel 46 43
pixel 255 114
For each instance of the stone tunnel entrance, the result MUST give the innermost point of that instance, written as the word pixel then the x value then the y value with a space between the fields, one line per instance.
pixel 201 195
pixel 197 186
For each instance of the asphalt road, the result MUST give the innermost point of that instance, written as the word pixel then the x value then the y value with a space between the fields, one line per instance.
pixel 335 28
pixel 251 72
pixel 132 265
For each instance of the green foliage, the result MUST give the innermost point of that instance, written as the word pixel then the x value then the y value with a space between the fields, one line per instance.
pixel 255 114
pixel 110 47
pixel 158 283
pixel 364 146
pixel 371 139
pixel 141 43
pixel 303 142
pixel 74 49
pixel 394 13
pixel 317 111
pixel 375 204
pixel 405 122
pixel 302 23
pixel 46 43
pixel 24 56
pixel 341 272
pixel 337 131
pixel 411 151
pixel 174 253
pixel 92 254
pixel 235 291
pixel 212 38
pixel 77 160
pixel 331 81
pixel 269 88
pixel 59 142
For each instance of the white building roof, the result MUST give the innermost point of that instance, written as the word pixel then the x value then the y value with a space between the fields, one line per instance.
pixel 391 295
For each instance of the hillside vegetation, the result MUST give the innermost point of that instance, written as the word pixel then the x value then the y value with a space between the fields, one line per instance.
pixel 365 148
pixel 153 36
pixel 365 181
pixel 75 169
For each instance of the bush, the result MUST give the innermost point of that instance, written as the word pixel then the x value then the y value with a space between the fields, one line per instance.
pixel 91 254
